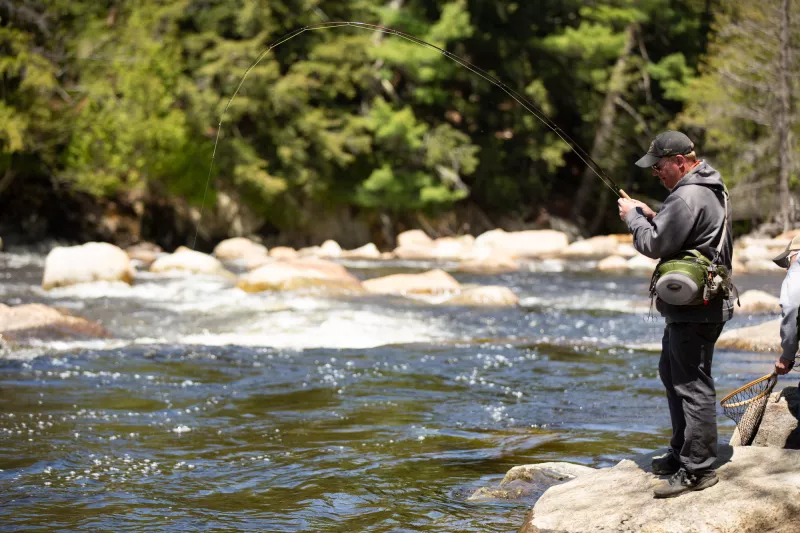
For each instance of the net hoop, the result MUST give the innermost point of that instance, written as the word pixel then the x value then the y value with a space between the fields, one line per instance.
pixel 725 402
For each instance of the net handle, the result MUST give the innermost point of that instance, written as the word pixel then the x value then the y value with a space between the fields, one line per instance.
pixel 766 391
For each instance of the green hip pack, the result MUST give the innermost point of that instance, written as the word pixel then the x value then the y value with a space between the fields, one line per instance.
pixel 689 278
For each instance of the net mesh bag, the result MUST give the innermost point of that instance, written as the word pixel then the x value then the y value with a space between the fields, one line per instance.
pixel 746 405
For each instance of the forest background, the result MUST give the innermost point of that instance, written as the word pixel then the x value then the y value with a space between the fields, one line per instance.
pixel 110 110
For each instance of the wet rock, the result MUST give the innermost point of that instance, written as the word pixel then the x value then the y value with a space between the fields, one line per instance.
pixel 283 252
pixel 414 237
pixel 23 323
pixel 593 248
pixel 779 423
pixel 524 244
pixel 145 253
pixel 489 264
pixel 758 491
pixel 526 480
pixel 487 296
pixel 238 248
pixel 293 274
pixel 188 261
pixel 755 302
pixel 93 261
pixel 764 337
pixel 368 251
pixel 613 263
pixel 431 282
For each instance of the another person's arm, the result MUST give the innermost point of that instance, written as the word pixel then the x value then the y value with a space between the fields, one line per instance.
pixel 790 301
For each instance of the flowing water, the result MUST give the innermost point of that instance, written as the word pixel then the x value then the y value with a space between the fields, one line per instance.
pixel 213 409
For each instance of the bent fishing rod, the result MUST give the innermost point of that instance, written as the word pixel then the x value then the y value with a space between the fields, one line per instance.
pixel 521 100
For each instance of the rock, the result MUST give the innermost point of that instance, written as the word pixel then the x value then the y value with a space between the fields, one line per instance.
pixel 522 481
pixel 625 250
pixel 760 266
pixel 431 282
pixel 414 237
pixel 453 248
pixel 758 492
pixel 595 247
pixel 779 424
pixel 622 238
pixel 283 252
pixel 368 251
pixel 189 261
pixel 640 263
pixel 423 252
pixel 524 244
pixel 754 302
pixel 23 323
pixel 144 252
pixel 309 251
pixel 489 264
pixel 788 235
pixel 614 263
pixel 293 274
pixel 238 248
pixel 487 296
pixel 764 337
pixel 330 248
pixel 93 261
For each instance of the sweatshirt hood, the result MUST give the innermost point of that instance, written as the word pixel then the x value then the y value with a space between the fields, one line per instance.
pixel 703 174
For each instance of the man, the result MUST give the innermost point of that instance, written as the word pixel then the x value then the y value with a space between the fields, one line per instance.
pixel 790 302
pixel 691 218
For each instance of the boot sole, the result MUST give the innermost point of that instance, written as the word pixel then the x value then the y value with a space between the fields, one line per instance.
pixel 700 486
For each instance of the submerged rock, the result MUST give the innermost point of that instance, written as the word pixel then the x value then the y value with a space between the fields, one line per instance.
pixel 292 274
pixel 93 261
pixel 23 323
pixel 431 282
pixel 523 481
pixel 758 491
pixel 487 296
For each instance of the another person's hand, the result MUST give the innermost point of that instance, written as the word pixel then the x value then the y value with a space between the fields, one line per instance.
pixel 782 366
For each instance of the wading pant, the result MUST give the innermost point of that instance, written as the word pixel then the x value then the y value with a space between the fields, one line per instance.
pixel 685 369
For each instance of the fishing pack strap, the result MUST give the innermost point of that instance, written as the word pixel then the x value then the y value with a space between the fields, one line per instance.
pixel 724 230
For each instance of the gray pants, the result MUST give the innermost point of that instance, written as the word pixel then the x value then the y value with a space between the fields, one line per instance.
pixel 685 369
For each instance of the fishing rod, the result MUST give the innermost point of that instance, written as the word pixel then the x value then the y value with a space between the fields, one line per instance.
pixel 521 100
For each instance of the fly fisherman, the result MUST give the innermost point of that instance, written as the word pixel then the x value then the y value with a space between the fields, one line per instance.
pixel 694 216
pixel 790 302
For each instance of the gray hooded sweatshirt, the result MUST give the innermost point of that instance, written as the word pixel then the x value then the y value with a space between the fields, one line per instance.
pixel 690 219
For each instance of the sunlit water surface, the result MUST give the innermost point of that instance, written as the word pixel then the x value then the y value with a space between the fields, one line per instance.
pixel 213 409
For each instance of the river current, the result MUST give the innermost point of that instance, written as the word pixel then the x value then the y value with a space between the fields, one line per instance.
pixel 216 410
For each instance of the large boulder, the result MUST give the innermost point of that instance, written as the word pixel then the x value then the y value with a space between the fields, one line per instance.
pixel 238 248
pixel 414 237
pixel 453 248
pixel 524 244
pixel 764 337
pixel 487 296
pixel 431 282
pixel 186 261
pixel 293 274
pixel 779 424
pixel 758 302
pixel 593 248
pixel 526 480
pixel 93 261
pixel 23 323
pixel 758 491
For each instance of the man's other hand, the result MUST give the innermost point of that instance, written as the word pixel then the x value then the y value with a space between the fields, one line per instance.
pixel 782 366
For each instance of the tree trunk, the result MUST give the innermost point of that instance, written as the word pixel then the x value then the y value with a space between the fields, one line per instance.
pixel 785 117
pixel 608 114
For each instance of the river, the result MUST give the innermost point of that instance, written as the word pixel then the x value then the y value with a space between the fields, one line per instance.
pixel 214 409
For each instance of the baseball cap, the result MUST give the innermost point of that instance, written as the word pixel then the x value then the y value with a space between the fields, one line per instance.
pixel 782 260
pixel 667 144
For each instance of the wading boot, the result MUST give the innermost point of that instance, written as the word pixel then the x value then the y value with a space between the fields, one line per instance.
pixel 683 481
pixel 666 465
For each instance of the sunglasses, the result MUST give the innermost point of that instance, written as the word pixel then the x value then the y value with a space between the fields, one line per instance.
pixel 657 167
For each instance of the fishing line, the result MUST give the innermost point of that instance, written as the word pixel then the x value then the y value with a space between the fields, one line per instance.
pixel 521 100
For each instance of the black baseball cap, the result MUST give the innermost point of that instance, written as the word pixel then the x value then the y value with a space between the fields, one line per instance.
pixel 667 144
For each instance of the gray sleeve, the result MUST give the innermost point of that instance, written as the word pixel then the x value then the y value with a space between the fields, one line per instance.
pixel 790 301
pixel 664 235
